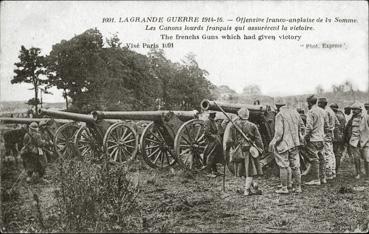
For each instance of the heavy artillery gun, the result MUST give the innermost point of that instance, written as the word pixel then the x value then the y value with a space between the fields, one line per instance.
pixel 157 138
pixel 82 136
pixel 262 116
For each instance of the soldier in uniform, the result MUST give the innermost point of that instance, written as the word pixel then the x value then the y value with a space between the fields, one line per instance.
pixel 285 145
pixel 213 152
pixel 47 137
pixel 250 166
pixel 278 106
pixel 338 140
pixel 366 105
pixel 357 138
pixel 314 137
pixel 302 115
pixel 34 160
pixel 330 159
pixel 347 111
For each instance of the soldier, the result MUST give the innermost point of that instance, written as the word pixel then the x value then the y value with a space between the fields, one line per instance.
pixel 302 115
pixel 32 153
pixel 250 167
pixel 47 137
pixel 366 105
pixel 357 137
pixel 338 140
pixel 330 160
pixel 278 106
pixel 213 152
pixel 314 137
pixel 287 139
pixel 347 111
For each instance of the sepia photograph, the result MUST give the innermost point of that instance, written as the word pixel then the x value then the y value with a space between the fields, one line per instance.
pixel 184 116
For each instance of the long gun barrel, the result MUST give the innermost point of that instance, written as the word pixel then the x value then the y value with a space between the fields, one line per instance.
pixel 28 120
pixel 67 115
pixel 231 108
pixel 143 115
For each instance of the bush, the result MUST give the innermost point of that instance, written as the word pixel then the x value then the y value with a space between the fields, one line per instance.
pixel 94 197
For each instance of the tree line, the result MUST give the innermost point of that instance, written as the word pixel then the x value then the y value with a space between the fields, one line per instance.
pixel 98 75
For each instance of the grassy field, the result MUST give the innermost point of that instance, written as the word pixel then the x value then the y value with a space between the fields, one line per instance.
pixel 176 201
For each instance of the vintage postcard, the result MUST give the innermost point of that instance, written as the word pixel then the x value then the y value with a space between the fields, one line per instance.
pixel 184 116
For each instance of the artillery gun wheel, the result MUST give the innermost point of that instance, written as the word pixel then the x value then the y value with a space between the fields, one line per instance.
pixel 154 149
pixel 121 142
pixel 189 145
pixel 86 145
pixel 63 140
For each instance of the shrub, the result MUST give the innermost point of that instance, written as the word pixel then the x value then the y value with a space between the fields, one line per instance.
pixel 94 197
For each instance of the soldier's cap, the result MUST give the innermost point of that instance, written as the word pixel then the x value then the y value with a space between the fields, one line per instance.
pixel 280 104
pixel 334 106
pixel 212 113
pixel 356 106
pixel 366 105
pixel 311 99
pixel 301 111
pixel 322 100
pixel 33 126
pixel 243 113
pixel 347 108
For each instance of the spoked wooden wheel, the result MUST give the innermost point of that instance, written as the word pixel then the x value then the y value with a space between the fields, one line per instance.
pixel 86 144
pixel 154 148
pixel 121 142
pixel 63 140
pixel 189 145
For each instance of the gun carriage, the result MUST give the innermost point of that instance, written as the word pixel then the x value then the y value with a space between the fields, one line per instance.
pixel 157 138
pixel 262 116
pixel 82 136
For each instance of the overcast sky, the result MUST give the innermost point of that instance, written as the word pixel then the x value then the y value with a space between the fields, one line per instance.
pixel 278 67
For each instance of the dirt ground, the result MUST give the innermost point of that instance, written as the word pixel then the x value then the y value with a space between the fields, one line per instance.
pixel 176 201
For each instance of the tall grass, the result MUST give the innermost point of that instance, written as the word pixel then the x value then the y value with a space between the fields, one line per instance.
pixel 94 197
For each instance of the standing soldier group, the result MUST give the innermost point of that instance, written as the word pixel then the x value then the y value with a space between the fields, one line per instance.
pixel 321 138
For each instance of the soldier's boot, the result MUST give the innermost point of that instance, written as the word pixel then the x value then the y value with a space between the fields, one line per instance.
pixel 322 170
pixel 283 173
pixel 289 177
pixel 338 162
pixel 357 168
pixel 297 180
pixel 315 172
pixel 248 184
pixel 334 165
pixel 283 190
